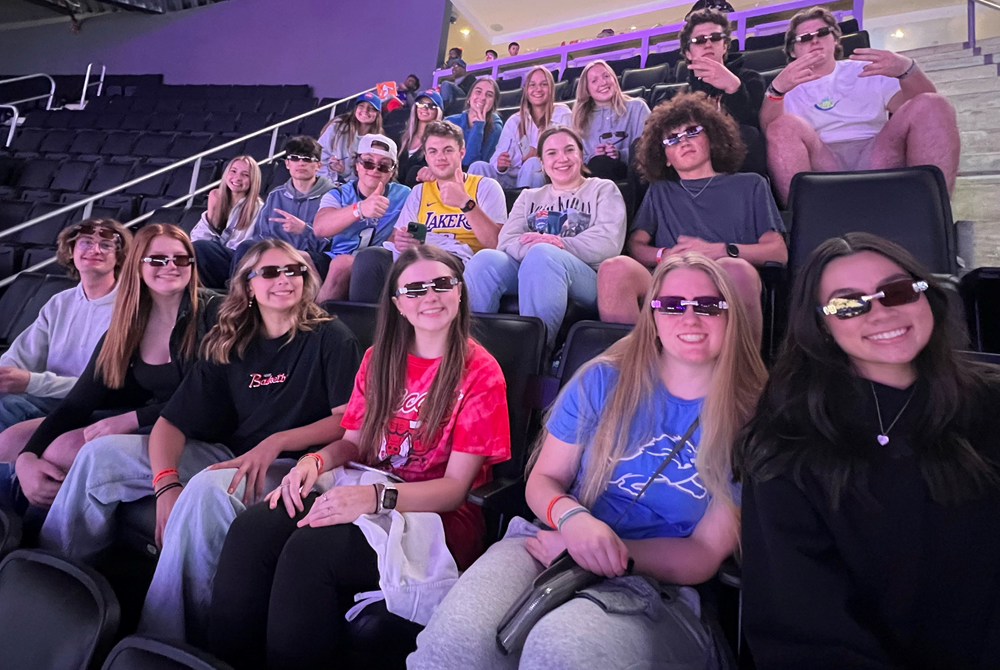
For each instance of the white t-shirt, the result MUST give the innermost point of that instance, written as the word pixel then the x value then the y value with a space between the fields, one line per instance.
pixel 516 147
pixel 843 106
pixel 489 197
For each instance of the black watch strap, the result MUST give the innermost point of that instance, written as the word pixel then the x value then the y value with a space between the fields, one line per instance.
pixel 469 206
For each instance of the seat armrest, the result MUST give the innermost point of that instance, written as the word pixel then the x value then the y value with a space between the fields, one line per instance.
pixel 504 495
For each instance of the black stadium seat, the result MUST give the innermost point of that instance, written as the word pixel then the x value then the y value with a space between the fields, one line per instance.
pixel 186 145
pixel 509 83
pixel 13 301
pixel 11 214
pixel 192 123
pixel 359 317
pixel 571 73
pixel 10 532
pixel 510 98
pixel 56 615
pixel 619 66
pixel 88 142
pixel 179 181
pixel 765 59
pixel 108 175
pixel 670 58
pixel 57 141
pixel 38 173
pixel 142 653
pixel 49 285
pixel 909 206
pixel 153 145
pixel 507 112
pixel 586 340
pixel 44 233
pixel 26 140
pixel 646 77
pixel 563 91
pixel 251 121
pixel 662 92
pixel 71 176
pixel 854 41
pixel 120 143
pixel 152 187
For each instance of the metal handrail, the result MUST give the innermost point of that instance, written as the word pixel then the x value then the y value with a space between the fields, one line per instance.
pixel 13 123
pixel 88 203
pixel 52 89
pixel 87 83
pixel 971 12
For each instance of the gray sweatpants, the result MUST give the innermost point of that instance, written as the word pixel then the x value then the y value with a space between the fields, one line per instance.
pixel 580 635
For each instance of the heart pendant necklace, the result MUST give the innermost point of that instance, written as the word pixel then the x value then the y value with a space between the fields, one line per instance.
pixel 883 436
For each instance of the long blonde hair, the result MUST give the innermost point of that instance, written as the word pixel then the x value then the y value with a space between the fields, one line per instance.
pixel 584 108
pixel 411 129
pixel 229 199
pixel 736 384
pixel 133 303
pixel 240 322
pixel 550 104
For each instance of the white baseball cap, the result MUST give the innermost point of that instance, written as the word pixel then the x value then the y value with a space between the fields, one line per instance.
pixel 380 145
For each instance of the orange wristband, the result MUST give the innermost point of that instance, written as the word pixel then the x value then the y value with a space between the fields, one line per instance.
pixel 163 473
pixel 552 503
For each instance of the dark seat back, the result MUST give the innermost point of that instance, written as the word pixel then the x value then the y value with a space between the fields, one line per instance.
pixel 10 532
pixel 858 40
pixel 56 615
pixel 142 653
pixel 670 58
pixel 909 206
pixel 511 97
pixel 765 59
pixel 619 66
pixel 13 301
pixel 646 77
pixel 359 317
pixel 48 287
pixel 586 340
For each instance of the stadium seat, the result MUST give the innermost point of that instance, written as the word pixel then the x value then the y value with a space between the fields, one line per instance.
pixel 160 123
pixel 260 146
pixel 10 262
pixel 38 173
pixel 638 92
pixel 71 176
pixel 26 140
pixel 854 41
pixel 190 219
pixel 152 187
pixel 11 214
pixel 142 653
pixel 186 145
pixel 109 175
pixel 563 91
pixel 510 98
pixel 267 106
pixel 765 59
pixel 759 42
pixel 509 84
pixel 57 615
pixel 88 142
pixel 57 141
pixel 909 206
pixel 120 143
pixel 507 112
pixel 153 145
pixel 769 75
pixel 980 290
pixel 192 123
pixel 136 120
pixel 13 301
pixel 571 73
pixel 50 284
pixel 619 66
pixel 251 121
pixel 43 233
pixel 586 340
pixel 36 255
pixel 669 58
pixel 221 123
pixel 662 92
pixel 646 77
pixel 359 317
pixel 10 532
pixel 193 106
pixel 109 121
pixel 179 181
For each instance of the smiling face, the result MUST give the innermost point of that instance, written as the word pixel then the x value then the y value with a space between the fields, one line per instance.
pixel 94 256
pixel 281 293
pixel 434 311
pixel 826 45
pixel 689 338
pixel 885 337
pixel 562 159
pixel 426 114
pixel 691 153
pixel 443 156
pixel 712 50
pixel 365 113
pixel 168 280
pixel 538 89
pixel 370 179
pixel 481 96
pixel 237 177
pixel 303 170
pixel 601 83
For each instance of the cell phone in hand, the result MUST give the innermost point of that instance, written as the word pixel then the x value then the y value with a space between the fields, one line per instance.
pixel 418 230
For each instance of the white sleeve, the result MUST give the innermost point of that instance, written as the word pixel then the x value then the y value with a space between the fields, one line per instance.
pixel 890 87
pixel 203 231
pixel 410 207
pixel 562 115
pixel 490 197
pixel 508 143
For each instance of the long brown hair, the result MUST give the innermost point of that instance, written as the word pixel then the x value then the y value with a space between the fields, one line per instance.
pixel 412 126
pixel 347 123
pixel 228 200
pixel 737 380
pixel 239 322
pixel 584 108
pixel 488 114
pixel 385 383
pixel 133 303
pixel 550 104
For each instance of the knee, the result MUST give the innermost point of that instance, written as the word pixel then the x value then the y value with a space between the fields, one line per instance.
pixel 787 127
pixel 207 487
pixel 99 452
pixel 340 268
pixel 479 167
pixel 532 164
pixel 616 272
pixel 927 106
pixel 544 258
pixel 371 259
pixel 483 261
pixel 311 549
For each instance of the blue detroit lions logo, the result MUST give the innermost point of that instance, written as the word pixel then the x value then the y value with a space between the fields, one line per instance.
pixel 680 474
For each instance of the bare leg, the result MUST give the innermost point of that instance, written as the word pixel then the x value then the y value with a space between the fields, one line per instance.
pixel 13 439
pixel 923 131
pixel 793 147
pixel 63 450
pixel 621 284
pixel 748 285
pixel 338 279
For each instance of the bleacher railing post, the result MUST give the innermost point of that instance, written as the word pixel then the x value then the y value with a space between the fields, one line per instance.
pixel 13 123
pixel 971 12
pixel 274 143
pixel 194 183
pixel 87 209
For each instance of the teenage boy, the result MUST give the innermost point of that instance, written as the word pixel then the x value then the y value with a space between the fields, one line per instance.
pixel 696 201
pixel 289 210
pixel 513 49
pixel 44 361
pixel 823 114
pixel 361 213
pixel 460 213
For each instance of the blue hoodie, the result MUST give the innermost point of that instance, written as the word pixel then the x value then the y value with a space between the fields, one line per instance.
pixel 302 205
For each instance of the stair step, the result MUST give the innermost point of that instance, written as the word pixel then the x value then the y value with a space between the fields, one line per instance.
pixel 962 62
pixel 978 163
pixel 976 198
pixel 983 119
pixel 985 244
pixel 950 88
pixel 980 141
pixel 934 50
pixel 963 73
pixel 971 102
pixel 948 55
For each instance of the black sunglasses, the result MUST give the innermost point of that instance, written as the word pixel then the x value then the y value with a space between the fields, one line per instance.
pixel 618 135
pixel 676 138
pixel 295 158
pixel 272 271
pixel 708 305
pixel 417 289
pixel 160 260
pixel 890 294
pixel 100 231
pixel 713 37
pixel 808 37
pixel 384 168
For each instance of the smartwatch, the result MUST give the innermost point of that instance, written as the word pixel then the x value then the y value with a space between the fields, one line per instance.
pixel 732 251
pixel 469 206
pixel 387 498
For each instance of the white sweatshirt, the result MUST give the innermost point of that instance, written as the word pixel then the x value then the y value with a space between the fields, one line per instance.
pixel 56 348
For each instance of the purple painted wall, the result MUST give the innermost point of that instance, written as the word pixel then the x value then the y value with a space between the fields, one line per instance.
pixel 337 46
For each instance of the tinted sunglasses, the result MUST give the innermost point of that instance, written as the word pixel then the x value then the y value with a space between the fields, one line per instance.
pixel 273 271
pixel 417 289
pixel 100 231
pixel 708 305
pixel 890 294
pixel 160 261
pixel 676 138
pixel 426 105
pixel 295 158
pixel 808 37
pixel 618 135
pixel 105 246
pixel 384 168
pixel 713 37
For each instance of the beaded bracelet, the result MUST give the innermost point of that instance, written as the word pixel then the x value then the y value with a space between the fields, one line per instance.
pixel 571 512
pixel 163 473
pixel 167 487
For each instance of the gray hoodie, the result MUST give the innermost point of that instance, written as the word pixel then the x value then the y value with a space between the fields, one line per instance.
pixel 604 120
pixel 302 205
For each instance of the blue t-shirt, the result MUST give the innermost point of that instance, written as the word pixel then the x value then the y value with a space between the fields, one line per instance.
pixel 363 232
pixel 673 504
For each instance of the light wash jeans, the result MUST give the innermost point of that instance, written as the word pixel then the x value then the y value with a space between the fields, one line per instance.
pixel 529 175
pixel 115 469
pixel 544 282
pixel 18 407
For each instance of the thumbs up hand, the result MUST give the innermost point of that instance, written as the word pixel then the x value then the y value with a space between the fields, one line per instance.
pixel 375 205
pixel 453 192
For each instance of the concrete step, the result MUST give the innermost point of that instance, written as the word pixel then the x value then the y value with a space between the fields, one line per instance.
pixel 962 73
pixel 980 141
pixel 976 198
pixel 946 56
pixel 935 50
pixel 985 244
pixel 987 119
pixel 950 88
pixel 964 61
pixel 972 102
pixel 978 163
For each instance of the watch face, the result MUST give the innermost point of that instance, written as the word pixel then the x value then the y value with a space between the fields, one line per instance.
pixel 389 498
pixel 732 250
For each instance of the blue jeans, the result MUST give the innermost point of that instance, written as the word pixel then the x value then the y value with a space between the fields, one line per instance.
pixel 544 282
pixel 213 260
pixel 18 407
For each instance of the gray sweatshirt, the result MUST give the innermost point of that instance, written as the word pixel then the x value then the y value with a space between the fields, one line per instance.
pixel 604 120
pixel 56 348
pixel 341 145
pixel 590 220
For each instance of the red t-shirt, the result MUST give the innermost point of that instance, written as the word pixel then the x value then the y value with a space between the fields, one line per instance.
pixel 478 425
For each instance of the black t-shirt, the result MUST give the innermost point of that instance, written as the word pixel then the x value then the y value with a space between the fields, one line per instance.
pixel 277 385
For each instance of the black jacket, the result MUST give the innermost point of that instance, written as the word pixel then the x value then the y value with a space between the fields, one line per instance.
pixel 744 104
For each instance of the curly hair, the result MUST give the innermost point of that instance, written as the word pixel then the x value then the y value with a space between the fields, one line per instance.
pixel 698 18
pixel 821 13
pixel 66 242
pixel 726 145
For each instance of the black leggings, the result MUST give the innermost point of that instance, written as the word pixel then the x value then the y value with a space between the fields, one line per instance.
pixel 281 592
